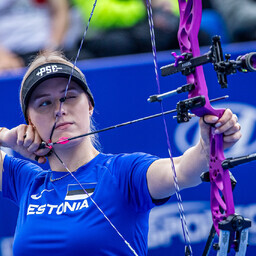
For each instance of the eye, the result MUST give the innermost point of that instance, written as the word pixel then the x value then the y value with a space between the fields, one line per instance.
pixel 71 96
pixel 45 103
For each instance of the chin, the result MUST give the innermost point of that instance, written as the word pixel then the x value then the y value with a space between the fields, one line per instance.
pixel 72 143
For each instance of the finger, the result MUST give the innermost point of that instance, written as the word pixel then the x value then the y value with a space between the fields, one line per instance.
pixel 42 152
pixel 30 135
pixel 35 144
pixel 226 125
pixel 20 134
pixel 233 138
pixel 40 159
pixel 210 119
pixel 226 116
pixel 234 129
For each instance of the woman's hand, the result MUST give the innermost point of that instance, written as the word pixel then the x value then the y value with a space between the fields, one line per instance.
pixel 227 125
pixel 25 140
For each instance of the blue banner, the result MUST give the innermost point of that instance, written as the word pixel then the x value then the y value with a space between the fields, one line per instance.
pixel 121 86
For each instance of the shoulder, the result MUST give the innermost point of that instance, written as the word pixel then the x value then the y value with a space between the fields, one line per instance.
pixel 17 165
pixel 127 157
pixel 127 160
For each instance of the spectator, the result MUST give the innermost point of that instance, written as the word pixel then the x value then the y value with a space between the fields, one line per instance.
pixel 112 26
pixel 240 17
pixel 121 27
pixel 28 26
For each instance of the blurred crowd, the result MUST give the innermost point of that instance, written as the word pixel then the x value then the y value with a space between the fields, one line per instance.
pixel 118 27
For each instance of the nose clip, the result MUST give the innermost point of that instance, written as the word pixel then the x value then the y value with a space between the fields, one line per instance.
pixel 62 99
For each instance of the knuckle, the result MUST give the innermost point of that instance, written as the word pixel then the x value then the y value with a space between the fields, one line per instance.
pixel 28 142
pixel 19 142
pixel 237 136
pixel 33 147
pixel 234 116
pixel 22 126
pixel 30 150
pixel 229 112
pixel 238 127
pixel 233 121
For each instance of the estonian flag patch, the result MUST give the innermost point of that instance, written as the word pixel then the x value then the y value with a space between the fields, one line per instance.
pixel 76 192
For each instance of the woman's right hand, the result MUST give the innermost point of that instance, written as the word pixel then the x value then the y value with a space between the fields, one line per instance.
pixel 25 140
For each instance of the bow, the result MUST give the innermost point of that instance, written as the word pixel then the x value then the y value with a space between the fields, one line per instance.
pixel 190 18
pixel 190 64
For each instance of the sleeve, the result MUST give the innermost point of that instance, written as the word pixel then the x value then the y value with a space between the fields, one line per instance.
pixel 131 170
pixel 17 176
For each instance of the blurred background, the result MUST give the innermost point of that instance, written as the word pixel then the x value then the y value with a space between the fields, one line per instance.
pixel 118 27
pixel 117 61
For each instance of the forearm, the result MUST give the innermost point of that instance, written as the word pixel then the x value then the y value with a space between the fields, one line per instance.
pixel 60 21
pixel 191 164
pixel 188 168
pixel 195 160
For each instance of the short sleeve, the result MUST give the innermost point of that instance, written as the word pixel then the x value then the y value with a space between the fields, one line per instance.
pixel 130 171
pixel 17 176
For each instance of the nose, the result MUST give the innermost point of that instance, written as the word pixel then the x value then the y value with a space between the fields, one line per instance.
pixel 59 108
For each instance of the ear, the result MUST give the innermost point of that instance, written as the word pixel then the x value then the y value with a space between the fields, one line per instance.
pixel 90 112
pixel 90 109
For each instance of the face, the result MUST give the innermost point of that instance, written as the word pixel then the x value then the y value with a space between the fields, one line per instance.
pixel 44 106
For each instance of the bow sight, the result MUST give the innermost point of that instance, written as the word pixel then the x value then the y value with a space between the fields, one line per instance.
pixel 186 63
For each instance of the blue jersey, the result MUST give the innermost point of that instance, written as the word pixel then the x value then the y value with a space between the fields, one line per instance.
pixel 57 217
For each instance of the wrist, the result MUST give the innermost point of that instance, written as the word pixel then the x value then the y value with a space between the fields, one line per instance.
pixel 205 151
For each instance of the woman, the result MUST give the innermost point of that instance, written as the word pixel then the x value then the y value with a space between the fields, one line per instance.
pixel 105 199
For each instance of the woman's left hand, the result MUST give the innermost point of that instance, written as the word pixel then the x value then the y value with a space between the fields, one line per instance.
pixel 227 125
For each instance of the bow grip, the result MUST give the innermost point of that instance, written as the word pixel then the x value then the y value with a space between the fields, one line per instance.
pixel 220 182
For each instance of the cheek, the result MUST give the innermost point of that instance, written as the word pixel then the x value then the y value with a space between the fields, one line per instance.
pixel 84 122
pixel 35 118
pixel 40 123
pixel 83 112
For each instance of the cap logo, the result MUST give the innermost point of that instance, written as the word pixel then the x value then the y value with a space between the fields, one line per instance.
pixel 48 70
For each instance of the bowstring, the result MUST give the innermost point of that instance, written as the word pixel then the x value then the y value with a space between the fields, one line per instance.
pixel 177 189
pixel 73 68
pixel 54 126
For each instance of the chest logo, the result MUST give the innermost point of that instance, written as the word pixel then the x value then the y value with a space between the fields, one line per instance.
pixel 39 195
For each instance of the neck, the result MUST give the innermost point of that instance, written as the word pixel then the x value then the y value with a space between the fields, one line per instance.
pixel 74 156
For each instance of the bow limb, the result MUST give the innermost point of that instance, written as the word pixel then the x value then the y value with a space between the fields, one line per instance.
pixel 190 19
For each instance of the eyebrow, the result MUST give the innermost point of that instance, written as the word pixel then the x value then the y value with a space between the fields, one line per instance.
pixel 48 94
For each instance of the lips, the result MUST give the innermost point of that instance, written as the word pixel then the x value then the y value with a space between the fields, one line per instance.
pixel 62 126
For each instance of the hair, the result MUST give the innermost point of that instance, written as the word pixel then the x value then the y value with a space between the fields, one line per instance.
pixel 57 57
